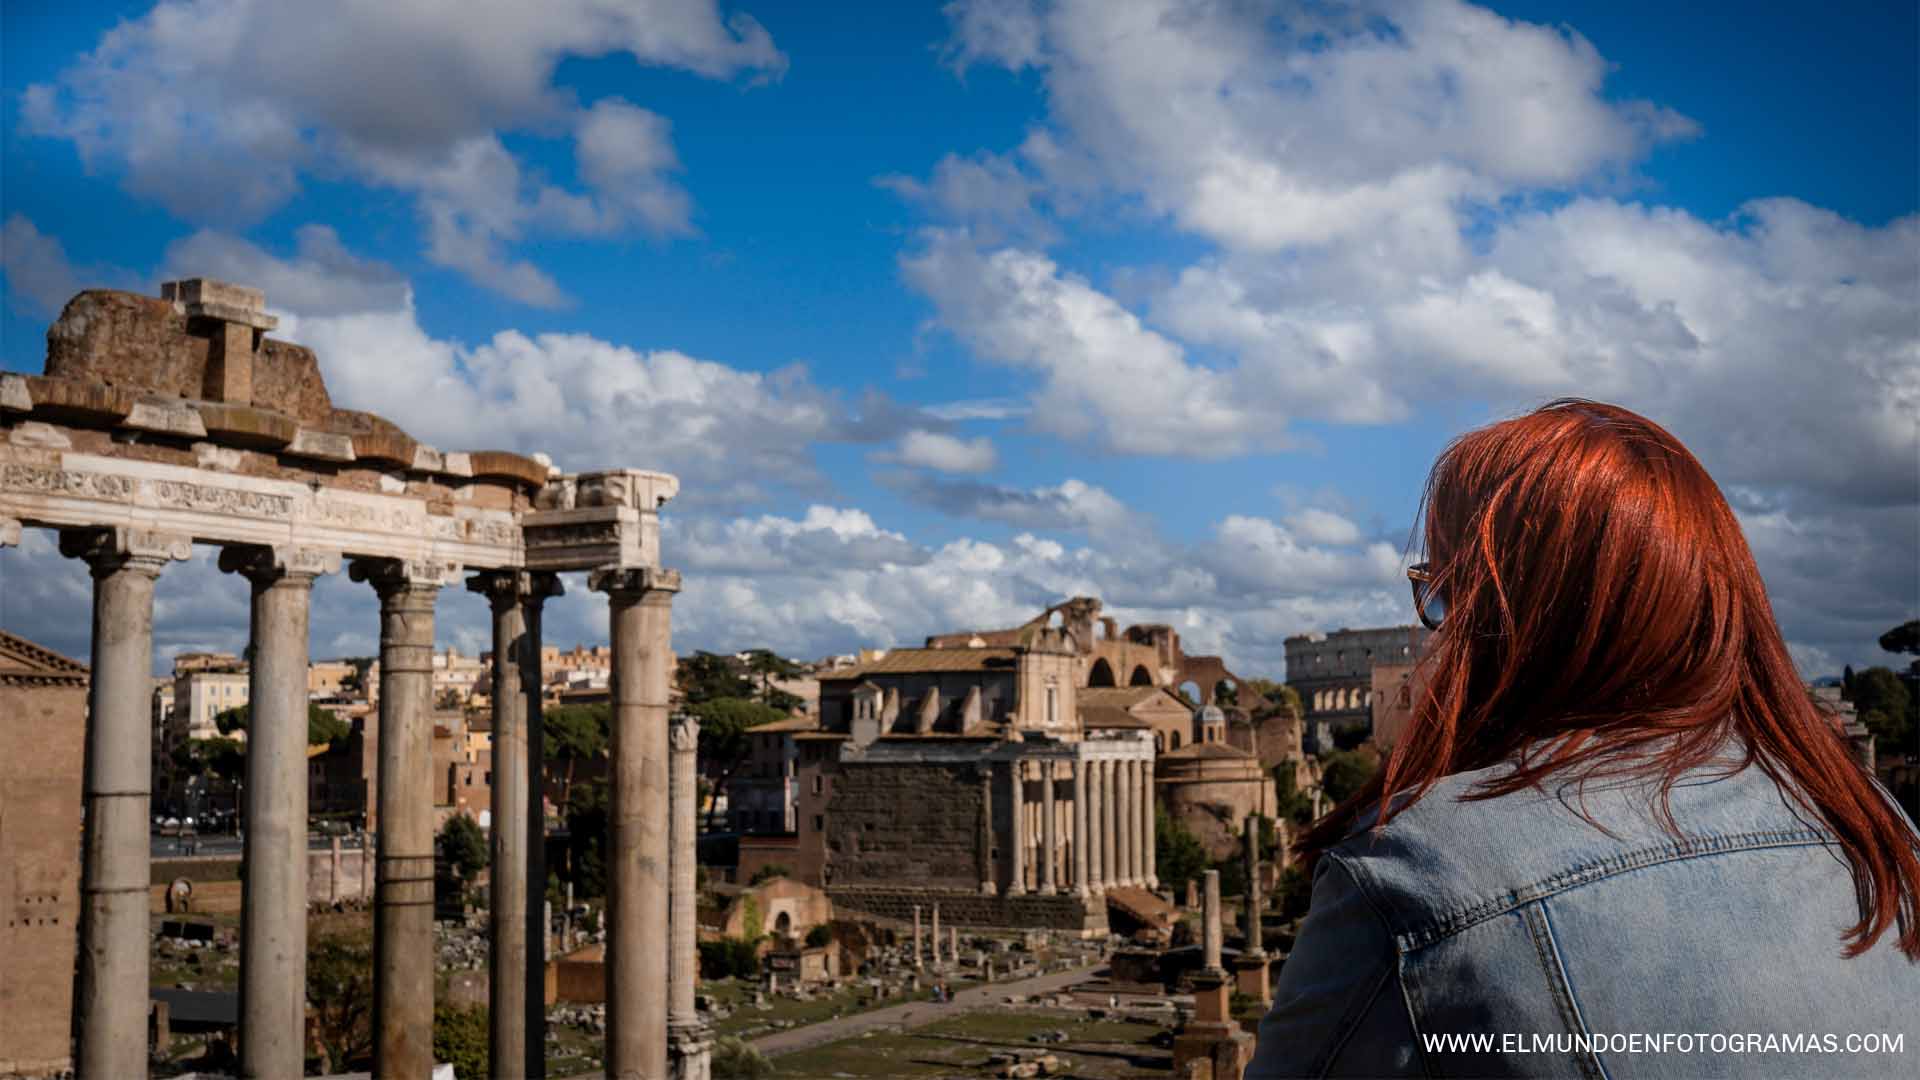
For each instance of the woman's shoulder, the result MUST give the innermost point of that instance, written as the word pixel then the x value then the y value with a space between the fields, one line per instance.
pixel 1448 858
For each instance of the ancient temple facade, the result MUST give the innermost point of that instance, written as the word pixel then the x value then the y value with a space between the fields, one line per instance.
pixel 162 424
pixel 963 779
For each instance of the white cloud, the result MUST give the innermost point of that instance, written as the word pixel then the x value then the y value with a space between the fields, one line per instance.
pixel 1069 506
pixel 39 275
pixel 217 108
pixel 323 278
pixel 944 453
pixel 1319 526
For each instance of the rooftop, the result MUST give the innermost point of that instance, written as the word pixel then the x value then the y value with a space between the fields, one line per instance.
pixel 928 662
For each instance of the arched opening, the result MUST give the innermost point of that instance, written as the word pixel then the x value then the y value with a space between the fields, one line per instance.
pixel 783 925
pixel 1160 741
pixel 1225 692
pixel 1190 693
pixel 1101 674
pixel 1140 677
pixel 1176 740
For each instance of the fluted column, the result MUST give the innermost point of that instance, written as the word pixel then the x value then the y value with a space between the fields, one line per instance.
pixel 1096 842
pixel 1111 872
pixel 403 960
pixel 110 989
pixel 1123 823
pixel 1017 883
pixel 1147 815
pixel 1049 830
pixel 690 1049
pixel 1081 885
pixel 637 850
pixel 273 888
pixel 918 944
pixel 1142 838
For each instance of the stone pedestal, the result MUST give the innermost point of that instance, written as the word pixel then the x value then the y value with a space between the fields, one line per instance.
pixel 689 1051
pixel 1250 976
pixel 1212 1038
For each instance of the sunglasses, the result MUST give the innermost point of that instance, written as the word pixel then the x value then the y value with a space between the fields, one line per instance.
pixel 1427 601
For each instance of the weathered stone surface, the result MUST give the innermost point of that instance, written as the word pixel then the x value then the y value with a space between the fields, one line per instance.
pixel 321 445
pixel 1066 913
pixel 499 464
pixel 914 823
pixel 166 417
pixel 63 399
pixel 245 425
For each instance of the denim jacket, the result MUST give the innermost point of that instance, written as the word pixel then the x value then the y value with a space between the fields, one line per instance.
pixel 1515 919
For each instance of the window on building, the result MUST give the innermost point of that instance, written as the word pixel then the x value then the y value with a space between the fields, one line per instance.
pixel 819 823
pixel 1053 705
pixel 818 783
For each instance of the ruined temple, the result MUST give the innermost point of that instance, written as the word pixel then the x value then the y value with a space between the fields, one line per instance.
pixel 162 423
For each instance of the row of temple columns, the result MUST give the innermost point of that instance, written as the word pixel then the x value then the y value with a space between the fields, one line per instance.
pixel 1099 838
pixel 112 976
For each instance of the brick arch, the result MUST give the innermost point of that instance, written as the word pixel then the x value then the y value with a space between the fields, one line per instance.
pixel 1140 677
pixel 1101 674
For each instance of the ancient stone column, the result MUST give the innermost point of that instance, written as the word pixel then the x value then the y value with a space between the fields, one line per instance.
pixel 1210 923
pixel 507 904
pixel 403 959
pixel 1128 817
pixel 1096 830
pixel 1049 830
pixel 273 890
pixel 637 850
pixel 936 935
pixel 1080 882
pixel 1017 799
pixel 1135 798
pixel 984 845
pixel 918 946
pixel 1111 873
pixel 1250 845
pixel 953 943
pixel 110 989
pixel 1147 823
pixel 690 1045
pixel 540 587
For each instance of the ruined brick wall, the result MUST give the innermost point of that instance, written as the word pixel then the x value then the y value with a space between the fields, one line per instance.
pixel 1066 913
pixel 42 735
pixel 905 824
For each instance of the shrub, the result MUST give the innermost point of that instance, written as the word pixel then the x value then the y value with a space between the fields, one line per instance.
pixel 768 873
pixel 734 1059
pixel 819 935
pixel 460 1039
pixel 729 957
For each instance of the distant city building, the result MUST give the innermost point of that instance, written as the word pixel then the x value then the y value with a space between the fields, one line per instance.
pixel 199 695
pixel 763 793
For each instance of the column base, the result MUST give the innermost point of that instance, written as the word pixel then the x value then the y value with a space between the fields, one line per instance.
pixel 1251 977
pixel 1016 890
pixel 988 888
pixel 1047 890
pixel 689 1051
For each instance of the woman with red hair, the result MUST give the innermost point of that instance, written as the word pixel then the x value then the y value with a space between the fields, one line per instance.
pixel 1618 838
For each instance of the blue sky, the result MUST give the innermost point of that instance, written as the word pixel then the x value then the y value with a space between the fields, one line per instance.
pixel 943 312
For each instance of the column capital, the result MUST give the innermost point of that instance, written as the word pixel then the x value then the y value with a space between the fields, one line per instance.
pixel 109 549
pixel 266 565
pixel 639 580
pixel 508 586
pixel 393 576
pixel 683 733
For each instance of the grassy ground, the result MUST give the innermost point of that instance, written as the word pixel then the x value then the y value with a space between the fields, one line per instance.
pixel 1101 1049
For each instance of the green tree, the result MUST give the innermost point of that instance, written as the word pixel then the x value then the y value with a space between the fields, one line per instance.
pixel 769 872
pixel 706 676
pixel 586 844
pixel 1265 697
pixel 1344 772
pixel 1293 804
pixel 224 759
pixel 1904 638
pixel 323 728
pixel 465 846
pixel 724 743
pixel 729 957
pixel 819 935
pixel 1178 854
pixel 460 1040
pixel 1884 705
pixel 340 986
pixel 574 734
pixel 767 665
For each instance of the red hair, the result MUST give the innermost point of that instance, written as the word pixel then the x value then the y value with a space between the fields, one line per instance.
pixel 1604 616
